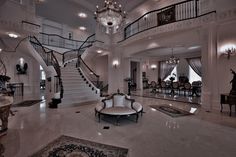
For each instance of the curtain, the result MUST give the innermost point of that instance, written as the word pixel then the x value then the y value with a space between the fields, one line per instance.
pixel 195 64
pixel 165 69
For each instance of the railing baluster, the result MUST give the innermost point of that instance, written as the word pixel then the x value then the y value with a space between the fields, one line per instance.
pixel 183 10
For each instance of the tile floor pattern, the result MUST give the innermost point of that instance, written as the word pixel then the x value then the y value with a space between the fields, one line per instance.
pixel 155 135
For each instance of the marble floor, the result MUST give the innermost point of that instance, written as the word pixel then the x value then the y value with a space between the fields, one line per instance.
pixel 155 135
pixel 161 95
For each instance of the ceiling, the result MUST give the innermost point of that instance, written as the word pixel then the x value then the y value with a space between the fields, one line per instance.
pixel 66 11
pixel 167 51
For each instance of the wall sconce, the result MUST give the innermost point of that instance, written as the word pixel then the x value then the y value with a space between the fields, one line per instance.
pixel 115 63
pixel 22 66
pixel 153 66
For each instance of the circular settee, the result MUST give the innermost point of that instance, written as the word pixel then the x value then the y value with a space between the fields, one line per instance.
pixel 118 105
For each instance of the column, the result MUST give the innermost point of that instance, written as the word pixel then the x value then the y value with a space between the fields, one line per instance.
pixel 209 67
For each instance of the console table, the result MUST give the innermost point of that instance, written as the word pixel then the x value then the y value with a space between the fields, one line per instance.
pixel 228 99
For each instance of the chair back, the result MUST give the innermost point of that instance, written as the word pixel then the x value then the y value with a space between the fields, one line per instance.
pixel 197 83
pixel 163 84
pixel 175 85
pixel 187 85
pixel 153 84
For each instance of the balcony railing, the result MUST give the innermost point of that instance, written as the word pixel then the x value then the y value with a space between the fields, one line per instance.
pixel 185 10
pixel 59 41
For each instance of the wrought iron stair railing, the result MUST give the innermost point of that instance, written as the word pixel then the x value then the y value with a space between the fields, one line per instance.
pixel 89 73
pixel 50 60
pixel 185 10
pixel 68 56
pixel 73 54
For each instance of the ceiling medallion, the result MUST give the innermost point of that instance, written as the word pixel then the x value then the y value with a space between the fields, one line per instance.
pixel 111 16
pixel 172 60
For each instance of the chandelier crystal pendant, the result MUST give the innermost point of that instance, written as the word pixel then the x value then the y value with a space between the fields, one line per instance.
pixel 111 16
pixel 172 60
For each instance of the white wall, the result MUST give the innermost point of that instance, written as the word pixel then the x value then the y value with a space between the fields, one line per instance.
pixel 31 80
pixel 152 74
pixel 99 64
pixel 226 36
pixel 101 68
pixel 51 27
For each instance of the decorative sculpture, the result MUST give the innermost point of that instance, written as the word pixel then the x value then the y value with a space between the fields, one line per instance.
pixel 233 81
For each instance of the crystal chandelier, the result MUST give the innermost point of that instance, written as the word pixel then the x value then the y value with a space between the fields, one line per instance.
pixel 172 60
pixel 111 16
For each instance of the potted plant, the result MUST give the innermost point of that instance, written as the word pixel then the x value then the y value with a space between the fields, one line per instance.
pixel 3 80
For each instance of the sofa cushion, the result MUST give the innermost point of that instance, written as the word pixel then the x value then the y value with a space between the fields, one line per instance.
pixel 109 103
pixel 99 106
pixel 127 103
pixel 118 101
pixel 118 111
pixel 137 106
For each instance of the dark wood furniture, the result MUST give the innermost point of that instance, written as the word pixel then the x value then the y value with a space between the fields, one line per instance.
pixel 228 99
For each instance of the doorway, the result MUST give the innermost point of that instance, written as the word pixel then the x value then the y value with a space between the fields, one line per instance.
pixel 42 81
pixel 134 75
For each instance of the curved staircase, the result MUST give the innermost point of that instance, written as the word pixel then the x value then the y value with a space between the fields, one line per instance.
pixel 77 88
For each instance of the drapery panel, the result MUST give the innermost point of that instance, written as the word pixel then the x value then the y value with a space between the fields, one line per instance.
pixel 195 64
pixel 165 69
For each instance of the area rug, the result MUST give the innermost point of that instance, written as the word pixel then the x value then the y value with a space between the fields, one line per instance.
pixel 66 146
pixel 171 111
pixel 26 103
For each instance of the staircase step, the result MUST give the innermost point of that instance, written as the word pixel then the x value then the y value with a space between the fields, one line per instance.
pixel 76 90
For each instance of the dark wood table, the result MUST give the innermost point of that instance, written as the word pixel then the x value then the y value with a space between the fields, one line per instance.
pixel 228 99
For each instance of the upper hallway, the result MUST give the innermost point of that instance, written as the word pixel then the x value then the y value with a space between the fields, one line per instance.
pixel 34 16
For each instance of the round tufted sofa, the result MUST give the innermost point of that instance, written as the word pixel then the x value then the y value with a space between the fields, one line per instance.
pixel 118 104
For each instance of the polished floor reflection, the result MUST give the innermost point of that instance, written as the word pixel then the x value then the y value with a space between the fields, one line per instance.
pixel 155 135
pixel 176 97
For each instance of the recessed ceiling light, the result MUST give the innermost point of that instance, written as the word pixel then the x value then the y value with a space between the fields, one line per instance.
pixel 0 50
pixel 82 15
pixel 13 35
pixel 99 51
pixel 82 28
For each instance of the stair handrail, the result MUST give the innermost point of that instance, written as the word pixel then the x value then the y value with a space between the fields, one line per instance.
pixel 87 66
pixel 75 52
pixel 160 12
pixel 53 61
pixel 86 41
pixel 88 71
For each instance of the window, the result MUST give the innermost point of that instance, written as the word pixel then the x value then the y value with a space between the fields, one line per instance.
pixel 172 74
pixel 193 76
pixel 43 76
pixel 42 73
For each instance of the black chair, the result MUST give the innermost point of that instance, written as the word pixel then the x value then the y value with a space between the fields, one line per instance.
pixel 153 86
pixel 163 86
pixel 187 88
pixel 175 87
